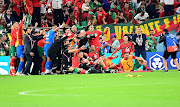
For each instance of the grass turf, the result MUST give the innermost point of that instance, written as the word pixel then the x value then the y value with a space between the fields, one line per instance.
pixel 153 89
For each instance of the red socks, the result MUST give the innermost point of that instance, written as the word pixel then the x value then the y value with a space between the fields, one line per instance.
pixel 43 64
pixel 116 67
pixel 12 65
pixel 106 68
pixel 147 67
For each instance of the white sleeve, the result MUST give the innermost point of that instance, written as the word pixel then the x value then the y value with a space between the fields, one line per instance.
pixel 178 10
pixel 136 17
pixel 83 6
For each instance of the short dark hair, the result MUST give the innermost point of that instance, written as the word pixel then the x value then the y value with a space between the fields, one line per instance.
pixel 53 25
pixel 166 31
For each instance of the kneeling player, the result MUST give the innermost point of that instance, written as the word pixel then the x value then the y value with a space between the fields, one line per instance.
pixel 67 62
pixel 127 65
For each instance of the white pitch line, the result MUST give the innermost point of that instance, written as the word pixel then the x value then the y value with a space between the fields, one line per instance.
pixel 28 93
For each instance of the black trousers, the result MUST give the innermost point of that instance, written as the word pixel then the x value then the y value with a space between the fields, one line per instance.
pixel 36 16
pixel 37 65
pixel 58 16
pixel 55 61
pixel 169 8
pixel 16 17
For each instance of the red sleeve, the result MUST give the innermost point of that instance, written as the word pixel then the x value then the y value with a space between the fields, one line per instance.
pixel 116 51
pixel 20 30
pixel 110 57
pixel 68 21
pixel 134 57
pixel 99 33
pixel 105 32
pixel 77 51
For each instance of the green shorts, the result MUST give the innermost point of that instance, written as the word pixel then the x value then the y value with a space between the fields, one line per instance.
pixel 12 51
pixel 41 51
pixel 136 66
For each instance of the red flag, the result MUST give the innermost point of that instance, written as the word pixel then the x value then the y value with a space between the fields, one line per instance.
pixel 29 6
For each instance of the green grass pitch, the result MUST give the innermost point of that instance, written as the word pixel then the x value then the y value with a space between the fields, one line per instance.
pixel 153 89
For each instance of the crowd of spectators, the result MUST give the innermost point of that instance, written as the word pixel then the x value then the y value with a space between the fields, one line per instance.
pixel 81 12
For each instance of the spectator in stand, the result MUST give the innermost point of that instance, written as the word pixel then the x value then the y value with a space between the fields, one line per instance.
pixel 1 11
pixel 142 7
pixel 71 21
pixel 98 16
pixel 121 18
pixel 43 7
pixel 66 13
pixel 9 17
pixel 57 11
pixel 43 23
pixel 141 17
pixel 152 42
pixel 84 16
pixel 36 12
pixel 89 4
pixel 117 9
pixel 104 45
pixel 139 41
pixel 96 5
pixel 17 13
pixel 128 13
pixel 169 7
pixel 4 46
pixel 107 4
pixel 4 23
pixel 151 9
pixel 115 43
pixel 110 17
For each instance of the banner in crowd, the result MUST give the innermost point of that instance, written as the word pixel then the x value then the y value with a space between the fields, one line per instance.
pixel 158 24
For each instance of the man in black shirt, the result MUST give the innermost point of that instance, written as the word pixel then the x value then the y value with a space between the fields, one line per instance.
pixel 53 51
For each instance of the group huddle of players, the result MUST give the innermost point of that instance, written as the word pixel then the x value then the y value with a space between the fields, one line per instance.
pixel 72 52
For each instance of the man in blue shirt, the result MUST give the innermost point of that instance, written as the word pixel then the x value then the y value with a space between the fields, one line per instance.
pixel 104 45
pixel 49 41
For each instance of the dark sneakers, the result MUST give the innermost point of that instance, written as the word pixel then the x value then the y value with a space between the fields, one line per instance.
pixel 165 71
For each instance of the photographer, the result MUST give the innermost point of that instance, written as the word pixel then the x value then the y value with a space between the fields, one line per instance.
pixel 152 42
pixel 4 47
pixel 170 42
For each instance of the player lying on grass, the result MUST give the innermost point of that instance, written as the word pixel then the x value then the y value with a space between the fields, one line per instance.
pixel 127 64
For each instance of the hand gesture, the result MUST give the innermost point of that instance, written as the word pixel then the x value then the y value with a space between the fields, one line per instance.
pixel 83 47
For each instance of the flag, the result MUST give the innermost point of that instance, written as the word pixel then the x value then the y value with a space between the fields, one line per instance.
pixel 29 6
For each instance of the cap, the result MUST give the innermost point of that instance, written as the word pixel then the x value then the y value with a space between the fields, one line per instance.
pixel 113 36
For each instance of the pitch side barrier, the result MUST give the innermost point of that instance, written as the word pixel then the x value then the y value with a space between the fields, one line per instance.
pixel 154 61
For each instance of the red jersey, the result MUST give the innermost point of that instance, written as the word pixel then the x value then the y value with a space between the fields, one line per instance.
pixel 65 1
pixel 94 55
pixel 13 36
pixel 126 48
pixel 95 41
pixel 16 6
pixel 70 22
pixel 75 60
pixel 109 20
pixel 127 13
pixel 41 43
pixel 99 16
pixel 20 33
pixel 36 3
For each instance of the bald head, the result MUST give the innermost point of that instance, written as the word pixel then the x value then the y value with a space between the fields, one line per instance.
pixel 74 28
pixel 82 33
